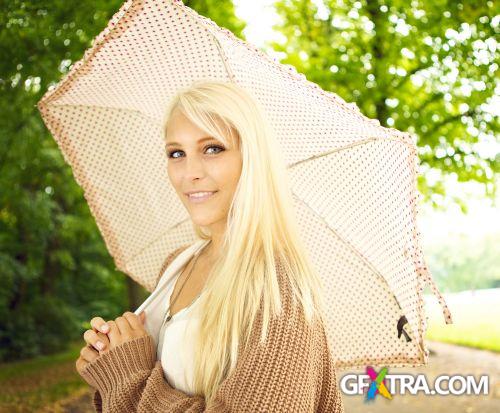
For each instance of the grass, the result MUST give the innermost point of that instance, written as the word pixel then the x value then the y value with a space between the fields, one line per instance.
pixel 475 319
pixel 29 385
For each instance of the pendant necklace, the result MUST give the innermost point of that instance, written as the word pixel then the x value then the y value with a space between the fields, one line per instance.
pixel 169 316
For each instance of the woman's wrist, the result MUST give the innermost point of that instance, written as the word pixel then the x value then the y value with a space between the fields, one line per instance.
pixel 119 364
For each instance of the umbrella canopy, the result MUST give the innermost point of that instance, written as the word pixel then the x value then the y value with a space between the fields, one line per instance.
pixel 353 181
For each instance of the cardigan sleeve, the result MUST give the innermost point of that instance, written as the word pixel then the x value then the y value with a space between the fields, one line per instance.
pixel 286 374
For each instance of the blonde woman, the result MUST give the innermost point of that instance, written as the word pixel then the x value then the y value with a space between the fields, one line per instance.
pixel 243 330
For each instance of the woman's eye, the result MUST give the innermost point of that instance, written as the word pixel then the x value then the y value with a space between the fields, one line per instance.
pixel 215 146
pixel 170 154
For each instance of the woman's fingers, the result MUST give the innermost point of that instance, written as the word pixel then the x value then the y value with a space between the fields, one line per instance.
pixel 134 320
pixel 88 354
pixel 119 330
pixel 98 324
pixel 114 333
pixel 80 364
pixel 124 327
pixel 98 340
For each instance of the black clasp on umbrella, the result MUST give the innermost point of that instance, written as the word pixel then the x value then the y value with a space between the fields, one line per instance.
pixel 401 322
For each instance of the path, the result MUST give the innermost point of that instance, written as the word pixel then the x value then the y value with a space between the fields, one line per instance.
pixel 444 359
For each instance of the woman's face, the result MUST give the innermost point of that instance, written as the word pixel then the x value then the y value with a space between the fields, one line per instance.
pixel 201 163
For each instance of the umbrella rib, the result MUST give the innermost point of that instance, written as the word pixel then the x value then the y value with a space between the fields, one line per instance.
pixel 225 60
pixel 363 142
pixel 208 24
pixel 352 248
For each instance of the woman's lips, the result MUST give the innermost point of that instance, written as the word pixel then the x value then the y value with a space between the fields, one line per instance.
pixel 200 197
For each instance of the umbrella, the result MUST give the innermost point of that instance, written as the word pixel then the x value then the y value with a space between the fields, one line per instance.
pixel 353 180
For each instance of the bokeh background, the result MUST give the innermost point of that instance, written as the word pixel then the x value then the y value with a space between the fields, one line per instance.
pixel 427 67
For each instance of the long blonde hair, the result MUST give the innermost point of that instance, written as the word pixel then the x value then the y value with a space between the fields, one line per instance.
pixel 261 227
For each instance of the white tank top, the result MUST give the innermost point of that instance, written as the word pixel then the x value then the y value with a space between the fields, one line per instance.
pixel 175 344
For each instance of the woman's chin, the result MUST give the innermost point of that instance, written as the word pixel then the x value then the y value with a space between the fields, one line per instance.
pixel 202 221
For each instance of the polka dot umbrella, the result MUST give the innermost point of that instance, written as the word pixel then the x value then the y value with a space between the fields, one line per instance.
pixel 353 181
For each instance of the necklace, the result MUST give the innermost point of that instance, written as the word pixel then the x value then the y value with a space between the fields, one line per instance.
pixel 169 316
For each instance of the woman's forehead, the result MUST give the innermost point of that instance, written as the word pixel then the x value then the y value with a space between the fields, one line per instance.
pixel 180 129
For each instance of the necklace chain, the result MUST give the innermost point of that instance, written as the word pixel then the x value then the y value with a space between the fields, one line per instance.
pixel 169 316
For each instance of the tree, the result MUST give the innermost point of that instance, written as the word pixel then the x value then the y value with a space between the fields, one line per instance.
pixel 426 67
pixel 55 271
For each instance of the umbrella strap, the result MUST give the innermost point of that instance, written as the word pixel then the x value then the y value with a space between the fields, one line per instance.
pixel 426 276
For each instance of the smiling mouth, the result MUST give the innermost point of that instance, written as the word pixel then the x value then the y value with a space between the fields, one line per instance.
pixel 200 196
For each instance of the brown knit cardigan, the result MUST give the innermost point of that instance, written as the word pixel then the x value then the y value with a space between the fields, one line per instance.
pixel 292 372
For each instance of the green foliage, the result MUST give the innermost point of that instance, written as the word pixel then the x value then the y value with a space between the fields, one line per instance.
pixel 475 319
pixel 466 263
pixel 426 67
pixel 55 271
pixel 41 326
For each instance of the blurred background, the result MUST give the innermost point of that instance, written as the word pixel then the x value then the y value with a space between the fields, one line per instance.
pixel 426 67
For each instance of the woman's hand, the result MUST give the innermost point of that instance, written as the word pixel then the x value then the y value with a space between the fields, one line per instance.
pixel 125 328
pixel 122 329
pixel 97 337
pixel 87 355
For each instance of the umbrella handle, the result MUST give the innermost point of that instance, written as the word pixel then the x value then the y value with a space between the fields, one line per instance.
pixel 401 322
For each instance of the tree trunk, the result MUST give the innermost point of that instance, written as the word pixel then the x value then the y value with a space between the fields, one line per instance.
pixel 134 294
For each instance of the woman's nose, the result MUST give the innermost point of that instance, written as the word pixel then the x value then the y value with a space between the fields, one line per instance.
pixel 194 167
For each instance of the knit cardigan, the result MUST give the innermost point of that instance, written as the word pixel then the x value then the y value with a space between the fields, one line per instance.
pixel 292 372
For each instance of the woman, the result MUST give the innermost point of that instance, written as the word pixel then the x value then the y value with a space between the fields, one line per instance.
pixel 259 344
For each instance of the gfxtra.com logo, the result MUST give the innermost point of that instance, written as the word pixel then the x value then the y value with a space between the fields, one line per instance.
pixel 388 385
pixel 378 384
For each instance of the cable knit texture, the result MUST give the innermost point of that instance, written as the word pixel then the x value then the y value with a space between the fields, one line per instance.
pixel 292 372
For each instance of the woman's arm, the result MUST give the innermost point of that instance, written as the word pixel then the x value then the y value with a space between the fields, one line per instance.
pixel 286 374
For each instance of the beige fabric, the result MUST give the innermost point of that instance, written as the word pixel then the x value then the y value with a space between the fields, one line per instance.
pixel 354 181
pixel 292 372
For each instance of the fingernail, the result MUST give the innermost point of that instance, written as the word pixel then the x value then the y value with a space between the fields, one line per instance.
pixel 104 328
pixel 99 345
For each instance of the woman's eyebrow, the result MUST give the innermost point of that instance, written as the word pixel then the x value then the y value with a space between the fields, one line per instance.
pixel 203 139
